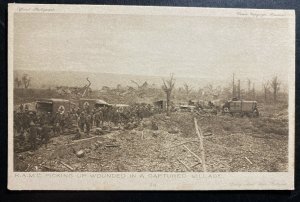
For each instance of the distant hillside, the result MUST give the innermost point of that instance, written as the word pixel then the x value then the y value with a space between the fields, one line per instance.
pixel 46 79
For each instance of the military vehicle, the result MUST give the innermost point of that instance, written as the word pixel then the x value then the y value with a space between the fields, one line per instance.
pixel 241 108
pixel 53 105
pixel 161 104
pixel 92 103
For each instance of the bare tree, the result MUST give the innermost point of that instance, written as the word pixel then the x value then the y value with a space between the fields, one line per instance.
pixel 26 80
pixel 233 86
pixel 138 85
pixel 249 85
pixel 266 88
pixel 187 90
pixel 275 85
pixel 167 88
pixel 253 91
pixel 239 89
pixel 86 88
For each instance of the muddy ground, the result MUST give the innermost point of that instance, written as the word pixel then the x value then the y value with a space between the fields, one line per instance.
pixel 232 144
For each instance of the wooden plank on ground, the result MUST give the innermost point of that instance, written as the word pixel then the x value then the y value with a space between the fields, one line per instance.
pixel 181 144
pixel 188 168
pixel 200 136
pixel 195 155
pixel 67 166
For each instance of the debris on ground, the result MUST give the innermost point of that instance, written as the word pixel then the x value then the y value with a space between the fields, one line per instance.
pixel 168 144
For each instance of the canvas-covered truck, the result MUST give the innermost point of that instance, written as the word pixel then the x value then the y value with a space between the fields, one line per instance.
pixel 53 105
pixel 241 107
pixel 92 103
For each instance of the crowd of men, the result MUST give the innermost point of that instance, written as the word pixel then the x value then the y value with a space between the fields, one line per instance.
pixel 37 128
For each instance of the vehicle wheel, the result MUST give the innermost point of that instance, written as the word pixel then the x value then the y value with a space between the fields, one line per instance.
pixel 255 113
pixel 226 109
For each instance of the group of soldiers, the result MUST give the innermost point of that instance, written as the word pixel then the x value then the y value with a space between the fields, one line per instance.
pixel 108 116
pixel 39 127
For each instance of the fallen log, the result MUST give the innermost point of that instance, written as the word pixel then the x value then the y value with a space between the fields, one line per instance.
pixel 95 158
pixel 67 166
pixel 111 145
pixel 195 155
pixel 188 168
pixel 248 160
pixel 181 144
pixel 195 165
pixel 49 168
pixel 90 138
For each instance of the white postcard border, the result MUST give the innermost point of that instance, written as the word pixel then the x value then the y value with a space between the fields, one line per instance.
pixel 149 180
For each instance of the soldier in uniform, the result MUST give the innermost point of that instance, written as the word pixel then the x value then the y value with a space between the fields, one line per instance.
pixel 32 136
pixel 105 113
pixel 25 119
pixel 97 118
pixel 45 134
pixel 81 121
pixel 21 108
pixel 56 126
pixel 88 120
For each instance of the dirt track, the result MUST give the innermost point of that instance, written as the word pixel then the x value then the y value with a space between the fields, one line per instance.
pixel 231 144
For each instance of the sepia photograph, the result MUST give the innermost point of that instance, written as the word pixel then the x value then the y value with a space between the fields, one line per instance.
pixel 175 93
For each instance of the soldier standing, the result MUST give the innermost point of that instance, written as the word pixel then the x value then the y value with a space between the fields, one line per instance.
pixel 45 134
pixel 25 119
pixel 88 120
pixel 21 108
pixel 62 122
pixel 32 135
pixel 97 118
pixel 81 121
pixel 56 127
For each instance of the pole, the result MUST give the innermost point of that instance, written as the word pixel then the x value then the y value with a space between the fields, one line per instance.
pixel 201 147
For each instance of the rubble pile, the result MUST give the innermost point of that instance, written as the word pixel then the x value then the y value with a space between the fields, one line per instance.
pixel 231 144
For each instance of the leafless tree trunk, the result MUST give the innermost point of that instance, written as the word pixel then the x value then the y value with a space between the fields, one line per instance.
pixel 266 89
pixel 138 86
pixel 86 87
pixel 249 88
pixel 233 87
pixel 239 89
pixel 187 90
pixel 253 91
pixel 275 85
pixel 167 88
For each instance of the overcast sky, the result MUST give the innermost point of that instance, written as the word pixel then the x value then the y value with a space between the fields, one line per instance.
pixel 153 45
